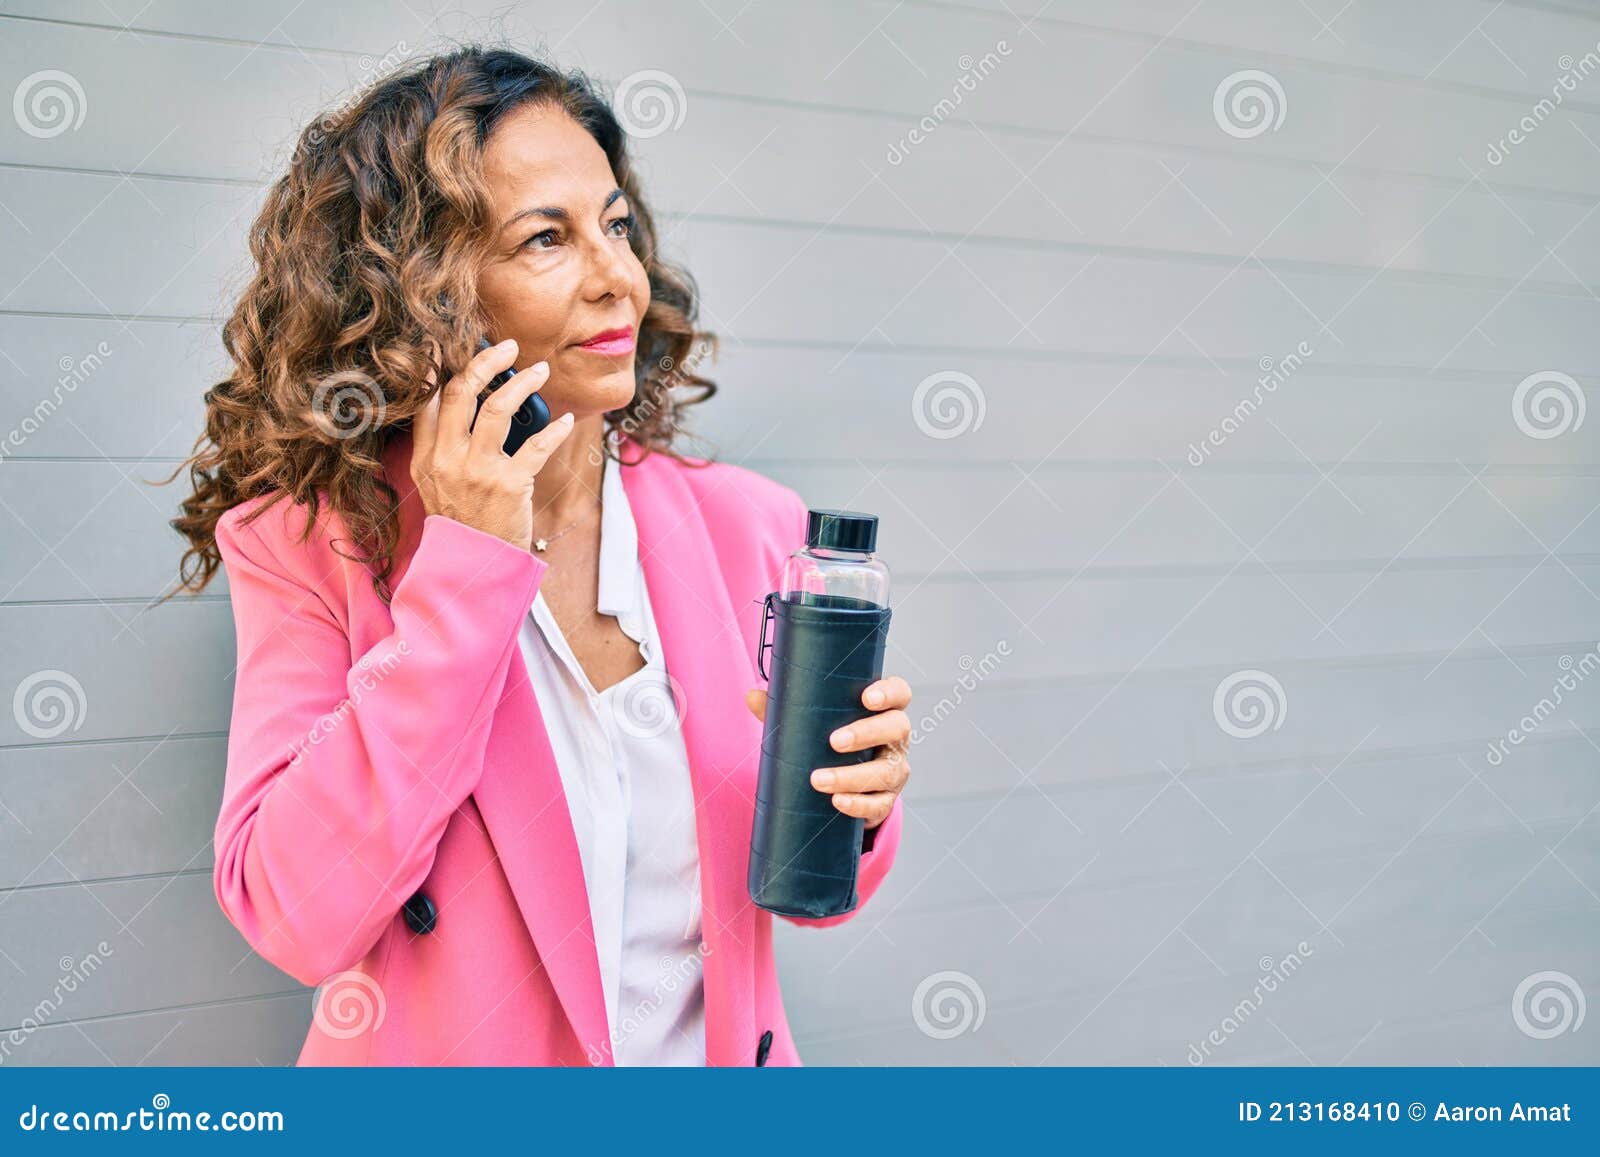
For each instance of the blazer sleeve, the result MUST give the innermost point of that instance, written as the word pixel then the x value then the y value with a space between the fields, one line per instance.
pixel 343 770
pixel 879 844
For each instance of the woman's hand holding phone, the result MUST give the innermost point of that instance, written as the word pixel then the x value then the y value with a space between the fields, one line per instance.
pixel 459 465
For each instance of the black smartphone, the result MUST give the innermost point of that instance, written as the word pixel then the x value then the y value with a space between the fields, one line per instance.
pixel 531 417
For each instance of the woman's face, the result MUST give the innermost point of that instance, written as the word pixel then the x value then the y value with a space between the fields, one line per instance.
pixel 562 271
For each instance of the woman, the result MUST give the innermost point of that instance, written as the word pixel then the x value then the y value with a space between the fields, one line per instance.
pixel 489 781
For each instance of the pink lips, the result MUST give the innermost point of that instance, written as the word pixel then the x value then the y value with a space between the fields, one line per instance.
pixel 611 343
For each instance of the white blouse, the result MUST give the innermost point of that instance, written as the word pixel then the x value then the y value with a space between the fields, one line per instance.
pixel 625 770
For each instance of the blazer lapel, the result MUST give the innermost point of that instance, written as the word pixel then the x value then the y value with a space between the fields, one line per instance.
pixel 704 654
pixel 524 807
pixel 523 803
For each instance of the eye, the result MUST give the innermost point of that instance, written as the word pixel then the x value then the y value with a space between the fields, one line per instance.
pixel 533 242
pixel 626 223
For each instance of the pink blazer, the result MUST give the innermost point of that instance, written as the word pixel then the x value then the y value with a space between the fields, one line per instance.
pixel 393 826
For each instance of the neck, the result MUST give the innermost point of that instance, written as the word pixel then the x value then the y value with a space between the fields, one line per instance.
pixel 568 485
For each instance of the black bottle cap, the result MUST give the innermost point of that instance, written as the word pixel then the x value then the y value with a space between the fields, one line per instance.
pixel 842 530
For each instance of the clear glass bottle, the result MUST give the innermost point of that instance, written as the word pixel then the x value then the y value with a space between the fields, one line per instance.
pixel 836 567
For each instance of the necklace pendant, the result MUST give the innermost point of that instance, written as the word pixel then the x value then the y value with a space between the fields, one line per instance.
pixel 541 544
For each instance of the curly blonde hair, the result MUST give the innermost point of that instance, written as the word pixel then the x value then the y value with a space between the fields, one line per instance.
pixel 366 252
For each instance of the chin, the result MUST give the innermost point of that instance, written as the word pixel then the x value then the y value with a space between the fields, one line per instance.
pixel 605 390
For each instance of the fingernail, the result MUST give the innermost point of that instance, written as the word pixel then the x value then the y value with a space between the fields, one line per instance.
pixel 822 778
pixel 874 698
pixel 540 366
pixel 567 418
pixel 842 737
pixel 506 344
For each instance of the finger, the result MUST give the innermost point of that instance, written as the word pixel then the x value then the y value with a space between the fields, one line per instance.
pixel 872 731
pixel 494 416
pixel 887 774
pixel 874 807
pixel 425 423
pixel 756 700
pixel 461 391
pixel 533 453
pixel 891 692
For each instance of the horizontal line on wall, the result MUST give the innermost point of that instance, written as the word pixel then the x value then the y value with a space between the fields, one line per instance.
pixel 1144 676
pixel 1212 48
pixel 163 1008
pixel 1208 260
pixel 1311 368
pixel 1238 770
pixel 961 576
pixel 1196 47
pixel 84 881
pixel 1112 467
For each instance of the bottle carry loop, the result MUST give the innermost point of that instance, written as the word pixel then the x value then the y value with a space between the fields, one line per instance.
pixel 765 645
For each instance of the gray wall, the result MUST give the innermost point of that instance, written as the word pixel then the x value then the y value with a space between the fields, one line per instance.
pixel 1100 860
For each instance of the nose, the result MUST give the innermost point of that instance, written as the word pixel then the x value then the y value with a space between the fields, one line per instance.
pixel 610 270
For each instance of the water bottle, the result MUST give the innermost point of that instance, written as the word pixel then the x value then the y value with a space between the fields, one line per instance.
pixel 831 623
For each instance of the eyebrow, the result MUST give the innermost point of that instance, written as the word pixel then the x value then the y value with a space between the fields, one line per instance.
pixel 555 212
